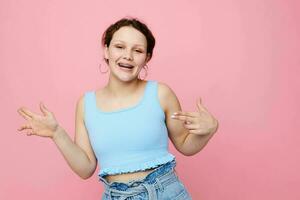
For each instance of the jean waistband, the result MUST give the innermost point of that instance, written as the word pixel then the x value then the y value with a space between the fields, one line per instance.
pixel 157 179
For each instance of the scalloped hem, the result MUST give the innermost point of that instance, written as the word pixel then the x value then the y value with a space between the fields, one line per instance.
pixel 137 167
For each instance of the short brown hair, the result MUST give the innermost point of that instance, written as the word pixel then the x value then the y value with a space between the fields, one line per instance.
pixel 135 23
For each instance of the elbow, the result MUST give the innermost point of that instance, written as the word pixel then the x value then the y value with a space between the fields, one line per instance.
pixel 190 153
pixel 85 175
pixel 87 172
pixel 187 154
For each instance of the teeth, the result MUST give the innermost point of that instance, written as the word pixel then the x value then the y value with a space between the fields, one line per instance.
pixel 125 65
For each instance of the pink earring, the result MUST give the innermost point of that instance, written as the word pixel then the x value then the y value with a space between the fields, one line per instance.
pixel 103 72
pixel 145 68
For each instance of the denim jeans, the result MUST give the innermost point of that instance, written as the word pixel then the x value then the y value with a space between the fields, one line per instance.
pixel 161 184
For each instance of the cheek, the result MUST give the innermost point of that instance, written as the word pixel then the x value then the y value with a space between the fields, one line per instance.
pixel 114 55
pixel 140 59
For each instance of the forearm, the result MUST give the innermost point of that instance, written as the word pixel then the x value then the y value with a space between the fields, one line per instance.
pixel 194 143
pixel 73 154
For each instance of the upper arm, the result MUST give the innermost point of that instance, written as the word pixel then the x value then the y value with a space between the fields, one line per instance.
pixel 170 103
pixel 81 134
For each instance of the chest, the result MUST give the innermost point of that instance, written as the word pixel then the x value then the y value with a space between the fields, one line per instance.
pixel 110 104
pixel 106 103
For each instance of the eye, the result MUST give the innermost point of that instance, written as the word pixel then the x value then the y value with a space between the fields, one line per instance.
pixel 139 51
pixel 119 47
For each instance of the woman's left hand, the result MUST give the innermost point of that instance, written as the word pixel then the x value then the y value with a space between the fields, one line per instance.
pixel 200 122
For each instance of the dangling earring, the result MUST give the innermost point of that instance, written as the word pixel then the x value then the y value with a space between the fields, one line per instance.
pixel 102 71
pixel 146 68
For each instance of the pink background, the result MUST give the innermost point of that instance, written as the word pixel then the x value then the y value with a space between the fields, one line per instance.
pixel 241 57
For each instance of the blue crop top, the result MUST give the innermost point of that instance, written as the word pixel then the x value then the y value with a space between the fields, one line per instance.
pixel 131 139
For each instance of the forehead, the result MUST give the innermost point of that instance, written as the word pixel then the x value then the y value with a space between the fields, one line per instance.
pixel 129 35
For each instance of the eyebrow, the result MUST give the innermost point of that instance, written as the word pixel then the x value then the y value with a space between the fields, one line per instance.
pixel 134 45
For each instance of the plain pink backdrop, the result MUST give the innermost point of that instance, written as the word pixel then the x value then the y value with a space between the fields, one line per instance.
pixel 240 57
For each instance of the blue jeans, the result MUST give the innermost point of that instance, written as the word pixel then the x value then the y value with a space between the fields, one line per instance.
pixel 161 184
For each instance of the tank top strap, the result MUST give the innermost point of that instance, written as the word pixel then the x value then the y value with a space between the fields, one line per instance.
pixel 89 102
pixel 152 100
pixel 151 91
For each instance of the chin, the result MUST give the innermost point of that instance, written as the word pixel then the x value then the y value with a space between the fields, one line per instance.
pixel 127 78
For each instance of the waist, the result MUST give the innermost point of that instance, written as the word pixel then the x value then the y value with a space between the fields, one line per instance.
pixel 151 176
pixel 157 179
pixel 125 178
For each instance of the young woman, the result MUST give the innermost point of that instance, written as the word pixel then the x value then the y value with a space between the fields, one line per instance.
pixel 125 126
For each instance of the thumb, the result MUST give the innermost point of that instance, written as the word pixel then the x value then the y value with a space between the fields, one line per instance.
pixel 199 101
pixel 44 110
pixel 199 105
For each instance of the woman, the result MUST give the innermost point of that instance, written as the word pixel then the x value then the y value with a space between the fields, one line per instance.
pixel 125 125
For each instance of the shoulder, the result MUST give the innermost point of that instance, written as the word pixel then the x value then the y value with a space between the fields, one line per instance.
pixel 81 98
pixel 80 104
pixel 166 95
pixel 165 90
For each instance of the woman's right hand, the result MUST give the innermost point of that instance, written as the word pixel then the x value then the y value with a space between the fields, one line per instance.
pixel 42 125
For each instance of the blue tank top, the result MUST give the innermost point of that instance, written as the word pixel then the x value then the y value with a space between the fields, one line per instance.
pixel 131 139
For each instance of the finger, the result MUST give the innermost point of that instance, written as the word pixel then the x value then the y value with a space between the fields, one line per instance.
pixel 190 126
pixel 28 112
pixel 43 108
pixel 187 122
pixel 30 132
pixel 183 118
pixel 25 126
pixel 21 112
pixel 200 106
pixel 198 132
pixel 189 114
pixel 194 131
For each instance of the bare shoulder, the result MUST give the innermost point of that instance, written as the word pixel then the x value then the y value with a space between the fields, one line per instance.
pixel 166 95
pixel 80 107
pixel 80 100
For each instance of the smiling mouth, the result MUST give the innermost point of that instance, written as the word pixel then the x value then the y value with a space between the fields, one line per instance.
pixel 126 66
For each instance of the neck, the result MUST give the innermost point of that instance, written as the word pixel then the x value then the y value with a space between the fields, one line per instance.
pixel 120 89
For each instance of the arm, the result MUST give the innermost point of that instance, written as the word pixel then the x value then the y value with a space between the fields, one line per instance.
pixel 78 154
pixel 184 136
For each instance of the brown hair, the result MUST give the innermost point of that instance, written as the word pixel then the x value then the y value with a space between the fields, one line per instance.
pixel 135 23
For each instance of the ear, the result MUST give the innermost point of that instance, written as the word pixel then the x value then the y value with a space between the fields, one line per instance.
pixel 148 57
pixel 106 52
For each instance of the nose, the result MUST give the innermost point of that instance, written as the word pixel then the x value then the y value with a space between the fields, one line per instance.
pixel 127 55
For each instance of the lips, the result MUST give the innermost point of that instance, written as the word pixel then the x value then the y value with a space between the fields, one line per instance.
pixel 125 65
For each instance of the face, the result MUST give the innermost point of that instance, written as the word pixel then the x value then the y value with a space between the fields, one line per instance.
pixel 127 53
